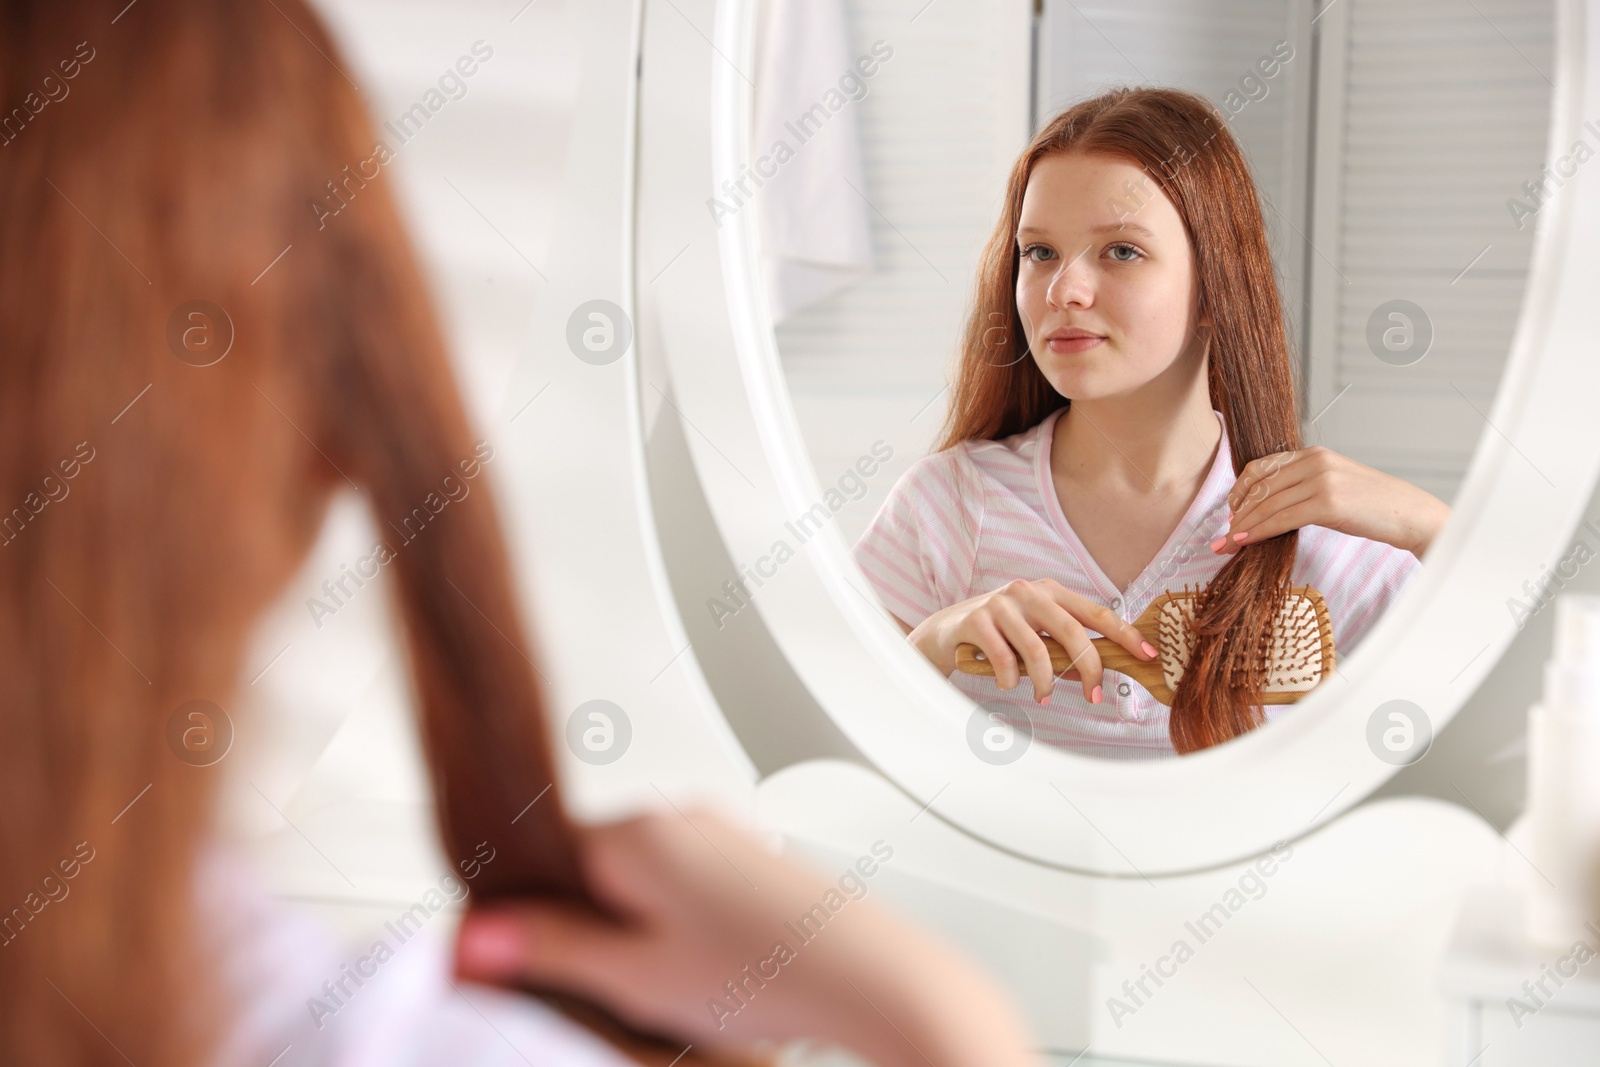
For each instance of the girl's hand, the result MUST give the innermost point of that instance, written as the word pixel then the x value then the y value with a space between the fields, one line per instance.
pixel 1317 486
pixel 1006 623
pixel 705 908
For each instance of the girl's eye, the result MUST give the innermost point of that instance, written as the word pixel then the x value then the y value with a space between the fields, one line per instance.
pixel 1123 253
pixel 1027 253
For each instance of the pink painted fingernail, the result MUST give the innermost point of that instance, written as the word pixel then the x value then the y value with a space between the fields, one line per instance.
pixel 1094 697
pixel 1241 535
pixel 1149 649
pixel 1216 546
pixel 489 945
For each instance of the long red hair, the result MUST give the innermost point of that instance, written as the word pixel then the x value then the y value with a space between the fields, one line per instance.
pixel 176 162
pixel 1183 143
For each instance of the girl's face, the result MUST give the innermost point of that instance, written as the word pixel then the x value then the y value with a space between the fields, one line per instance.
pixel 1106 285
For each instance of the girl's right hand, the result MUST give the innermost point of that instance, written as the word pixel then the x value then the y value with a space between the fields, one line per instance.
pixel 1006 622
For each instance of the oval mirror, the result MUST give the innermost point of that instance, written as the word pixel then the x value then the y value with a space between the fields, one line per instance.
pixel 1431 273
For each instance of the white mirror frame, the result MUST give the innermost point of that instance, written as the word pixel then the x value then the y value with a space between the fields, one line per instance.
pixel 1530 477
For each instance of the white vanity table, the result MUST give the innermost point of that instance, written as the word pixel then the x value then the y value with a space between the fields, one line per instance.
pixel 1067 877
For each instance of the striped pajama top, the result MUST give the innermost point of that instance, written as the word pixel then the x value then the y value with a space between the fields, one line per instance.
pixel 974 517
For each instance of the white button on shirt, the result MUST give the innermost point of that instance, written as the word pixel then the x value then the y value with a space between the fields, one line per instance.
pixel 976 516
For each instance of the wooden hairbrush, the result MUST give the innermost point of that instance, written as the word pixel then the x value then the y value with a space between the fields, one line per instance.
pixel 1300 655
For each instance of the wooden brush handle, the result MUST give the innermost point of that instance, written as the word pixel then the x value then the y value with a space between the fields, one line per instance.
pixel 1113 657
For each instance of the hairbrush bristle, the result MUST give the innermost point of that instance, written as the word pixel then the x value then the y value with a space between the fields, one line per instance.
pixel 1287 657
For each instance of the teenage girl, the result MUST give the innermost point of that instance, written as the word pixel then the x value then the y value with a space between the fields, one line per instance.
pixel 1123 423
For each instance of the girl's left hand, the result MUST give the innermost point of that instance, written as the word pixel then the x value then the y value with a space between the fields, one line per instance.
pixel 1317 486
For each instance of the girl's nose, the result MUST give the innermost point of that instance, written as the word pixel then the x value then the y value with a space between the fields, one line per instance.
pixel 1071 285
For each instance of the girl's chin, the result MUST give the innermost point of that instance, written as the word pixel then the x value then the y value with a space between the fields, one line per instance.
pixel 1089 388
pixel 1086 381
pixel 1084 384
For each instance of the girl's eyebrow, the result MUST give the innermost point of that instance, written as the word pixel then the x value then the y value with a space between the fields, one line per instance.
pixel 1105 227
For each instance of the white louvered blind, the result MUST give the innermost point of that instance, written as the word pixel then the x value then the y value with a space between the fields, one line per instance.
pixel 1432 113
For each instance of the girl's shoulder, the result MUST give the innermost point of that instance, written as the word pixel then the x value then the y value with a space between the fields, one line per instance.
pixel 1023 443
pixel 1359 579
pixel 968 474
pixel 1333 555
pixel 933 469
pixel 1004 459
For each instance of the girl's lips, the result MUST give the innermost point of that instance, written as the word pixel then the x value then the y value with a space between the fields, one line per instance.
pixel 1073 345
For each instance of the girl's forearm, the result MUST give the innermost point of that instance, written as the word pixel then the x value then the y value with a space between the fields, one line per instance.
pixel 1429 521
pixel 927 1006
pixel 965 1034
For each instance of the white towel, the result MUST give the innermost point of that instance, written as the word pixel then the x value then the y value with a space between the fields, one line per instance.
pixel 816 230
